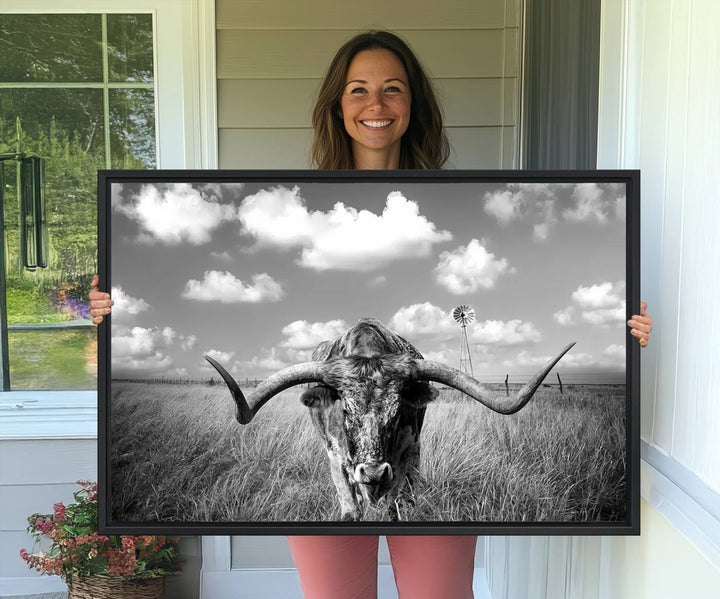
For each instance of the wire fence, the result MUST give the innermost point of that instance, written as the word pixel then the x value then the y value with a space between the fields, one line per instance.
pixel 514 380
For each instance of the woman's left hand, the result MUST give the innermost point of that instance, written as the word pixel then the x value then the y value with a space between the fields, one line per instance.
pixel 641 325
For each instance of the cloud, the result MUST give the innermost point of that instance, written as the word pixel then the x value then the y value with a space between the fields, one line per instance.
pixel 305 335
pixel 266 361
pixel 537 203
pixel 140 351
pixel 222 256
pixel 506 206
pixel 423 320
pixel 377 281
pixel 344 238
pixel 469 268
pixel 601 304
pixel 593 202
pixel 565 317
pixel 503 334
pixel 126 306
pixel 520 201
pixel 224 287
pixel 220 356
pixel 188 342
pixel 615 351
pixel 174 213
pixel 428 321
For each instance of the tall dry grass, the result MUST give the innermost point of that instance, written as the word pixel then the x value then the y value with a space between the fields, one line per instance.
pixel 178 454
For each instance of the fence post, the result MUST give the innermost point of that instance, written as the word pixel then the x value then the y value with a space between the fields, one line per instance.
pixel 507 387
pixel 559 381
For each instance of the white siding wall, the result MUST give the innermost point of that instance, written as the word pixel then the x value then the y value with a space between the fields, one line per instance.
pixel 272 56
pixel 660 85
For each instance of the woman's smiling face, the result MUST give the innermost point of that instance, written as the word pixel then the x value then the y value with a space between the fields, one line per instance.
pixel 375 106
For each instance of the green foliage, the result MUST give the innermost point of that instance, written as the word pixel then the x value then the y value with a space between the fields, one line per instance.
pixel 77 550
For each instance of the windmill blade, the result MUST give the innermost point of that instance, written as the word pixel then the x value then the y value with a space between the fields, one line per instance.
pixel 464 314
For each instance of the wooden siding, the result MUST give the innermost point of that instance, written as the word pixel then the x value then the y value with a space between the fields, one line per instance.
pixel 271 60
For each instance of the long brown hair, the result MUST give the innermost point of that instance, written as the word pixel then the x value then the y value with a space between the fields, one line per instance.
pixel 424 144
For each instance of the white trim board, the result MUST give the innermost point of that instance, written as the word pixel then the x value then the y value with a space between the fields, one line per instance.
pixel 692 516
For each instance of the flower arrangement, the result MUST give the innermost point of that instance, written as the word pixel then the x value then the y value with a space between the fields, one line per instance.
pixel 77 550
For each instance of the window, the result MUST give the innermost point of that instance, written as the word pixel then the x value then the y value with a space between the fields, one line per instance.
pixel 78 91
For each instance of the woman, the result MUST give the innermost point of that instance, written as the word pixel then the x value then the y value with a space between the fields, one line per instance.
pixel 377 110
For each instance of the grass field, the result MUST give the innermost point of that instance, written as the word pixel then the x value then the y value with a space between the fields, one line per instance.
pixel 179 455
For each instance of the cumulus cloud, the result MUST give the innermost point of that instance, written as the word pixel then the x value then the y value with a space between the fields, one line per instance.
pixel 593 202
pixel 615 351
pixel 344 238
pixel 174 213
pixel 221 356
pixel 469 268
pixel 301 334
pixel 188 343
pixel 141 351
pixel 423 320
pixel 377 281
pixel 500 333
pixel 534 201
pixel 267 361
pixel 565 317
pixel 506 206
pixel 601 304
pixel 224 287
pixel 429 321
pixel 126 306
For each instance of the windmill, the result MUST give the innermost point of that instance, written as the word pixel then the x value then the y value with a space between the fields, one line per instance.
pixel 464 315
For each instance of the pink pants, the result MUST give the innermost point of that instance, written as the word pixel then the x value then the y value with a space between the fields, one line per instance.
pixel 345 567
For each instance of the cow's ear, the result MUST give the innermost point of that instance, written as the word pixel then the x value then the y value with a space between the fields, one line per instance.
pixel 418 394
pixel 318 396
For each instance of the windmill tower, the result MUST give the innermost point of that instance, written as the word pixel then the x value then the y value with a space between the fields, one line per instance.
pixel 464 315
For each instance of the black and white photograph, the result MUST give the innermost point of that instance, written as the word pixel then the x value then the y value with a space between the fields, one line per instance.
pixel 309 350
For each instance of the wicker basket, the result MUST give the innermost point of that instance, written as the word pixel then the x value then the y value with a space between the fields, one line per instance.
pixel 116 587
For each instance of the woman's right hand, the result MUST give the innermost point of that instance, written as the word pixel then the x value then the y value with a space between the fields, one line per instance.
pixel 100 302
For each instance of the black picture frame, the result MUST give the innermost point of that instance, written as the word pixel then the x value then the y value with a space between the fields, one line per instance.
pixel 626 261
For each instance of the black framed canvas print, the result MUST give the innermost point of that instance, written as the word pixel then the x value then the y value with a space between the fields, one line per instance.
pixel 307 352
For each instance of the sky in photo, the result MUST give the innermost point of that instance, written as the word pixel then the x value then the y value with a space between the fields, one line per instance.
pixel 256 275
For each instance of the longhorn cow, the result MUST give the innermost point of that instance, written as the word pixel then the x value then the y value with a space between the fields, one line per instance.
pixel 368 406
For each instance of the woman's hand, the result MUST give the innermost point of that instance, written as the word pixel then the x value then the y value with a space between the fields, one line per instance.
pixel 100 302
pixel 641 325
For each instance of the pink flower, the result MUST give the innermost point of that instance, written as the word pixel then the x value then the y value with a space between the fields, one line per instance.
pixel 44 526
pixel 59 509
pixel 128 542
pixel 24 554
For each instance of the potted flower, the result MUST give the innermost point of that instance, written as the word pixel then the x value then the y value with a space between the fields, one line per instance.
pixel 95 565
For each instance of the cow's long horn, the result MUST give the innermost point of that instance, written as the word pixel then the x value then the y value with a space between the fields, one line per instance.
pixel 245 410
pixel 452 377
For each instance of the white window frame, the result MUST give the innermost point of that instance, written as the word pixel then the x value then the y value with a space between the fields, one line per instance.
pixel 186 130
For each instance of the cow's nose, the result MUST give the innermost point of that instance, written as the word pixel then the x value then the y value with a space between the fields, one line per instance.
pixel 373 474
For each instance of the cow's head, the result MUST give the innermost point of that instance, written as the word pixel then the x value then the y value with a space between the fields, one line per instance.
pixel 369 380
pixel 360 410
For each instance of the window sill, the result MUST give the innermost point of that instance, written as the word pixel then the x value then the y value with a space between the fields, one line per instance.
pixel 48 415
pixel 683 498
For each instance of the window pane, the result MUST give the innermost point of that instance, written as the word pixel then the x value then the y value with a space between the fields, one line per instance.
pixel 53 359
pixel 65 127
pixel 130 47
pixel 132 128
pixel 50 48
